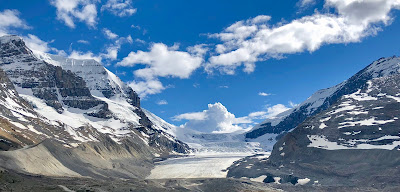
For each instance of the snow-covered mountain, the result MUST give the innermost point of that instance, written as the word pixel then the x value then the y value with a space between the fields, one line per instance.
pixel 269 129
pixel 74 105
pixel 353 142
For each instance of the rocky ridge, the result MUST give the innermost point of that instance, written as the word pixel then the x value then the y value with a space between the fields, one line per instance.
pixel 321 100
pixel 354 142
pixel 77 114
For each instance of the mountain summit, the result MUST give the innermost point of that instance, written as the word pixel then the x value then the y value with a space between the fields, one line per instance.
pixel 78 115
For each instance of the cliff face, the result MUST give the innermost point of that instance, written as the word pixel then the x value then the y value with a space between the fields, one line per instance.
pixel 79 107
pixel 47 82
pixel 15 114
pixel 100 81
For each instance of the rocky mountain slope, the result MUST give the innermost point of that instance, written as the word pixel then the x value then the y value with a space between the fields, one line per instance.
pixel 321 100
pixel 75 114
pixel 354 142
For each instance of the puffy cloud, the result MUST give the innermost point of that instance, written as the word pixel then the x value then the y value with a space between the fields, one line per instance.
pixel 215 119
pixel 162 102
pixel 9 19
pixel 257 114
pixel 34 43
pixel 37 45
pixel 275 110
pixel 87 55
pixel 119 8
pixel 113 49
pixel 148 87
pixel 218 119
pixel 270 112
pixel 109 34
pixel 198 50
pixel 249 41
pixel 264 94
pixel 70 10
pixel 112 52
pixel 162 61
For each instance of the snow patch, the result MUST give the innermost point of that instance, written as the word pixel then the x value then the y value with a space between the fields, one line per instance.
pixel 303 181
pixel 366 122
pixel 320 141
pixel 259 179
pixel 323 125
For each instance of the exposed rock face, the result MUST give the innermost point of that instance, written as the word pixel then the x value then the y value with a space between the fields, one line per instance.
pixel 11 105
pixel 20 124
pixel 50 83
pixel 351 143
pixel 324 98
pixel 90 120
pixel 99 80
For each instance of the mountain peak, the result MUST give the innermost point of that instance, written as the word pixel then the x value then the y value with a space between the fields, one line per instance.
pixel 384 67
pixel 8 38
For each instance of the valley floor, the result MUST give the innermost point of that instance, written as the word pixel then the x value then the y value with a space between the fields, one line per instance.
pixel 16 182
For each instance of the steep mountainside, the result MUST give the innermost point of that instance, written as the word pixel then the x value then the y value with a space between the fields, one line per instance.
pixel 91 120
pixel 354 142
pixel 323 99
pixel 17 116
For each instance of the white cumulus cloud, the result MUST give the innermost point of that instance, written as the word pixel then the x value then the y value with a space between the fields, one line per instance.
pixel 119 8
pixel 270 112
pixel 70 11
pixel 253 40
pixel 215 119
pixel 34 43
pixel 9 20
pixel 86 55
pixel 109 34
pixel 275 110
pixel 162 61
pixel 37 45
pixel 148 87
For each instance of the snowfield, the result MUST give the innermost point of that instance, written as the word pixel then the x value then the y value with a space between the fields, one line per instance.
pixel 200 165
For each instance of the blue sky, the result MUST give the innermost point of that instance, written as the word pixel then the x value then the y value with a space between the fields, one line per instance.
pixel 162 35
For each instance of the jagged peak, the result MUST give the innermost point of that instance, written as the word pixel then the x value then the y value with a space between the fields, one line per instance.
pixel 8 38
pixel 384 67
pixel 59 60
